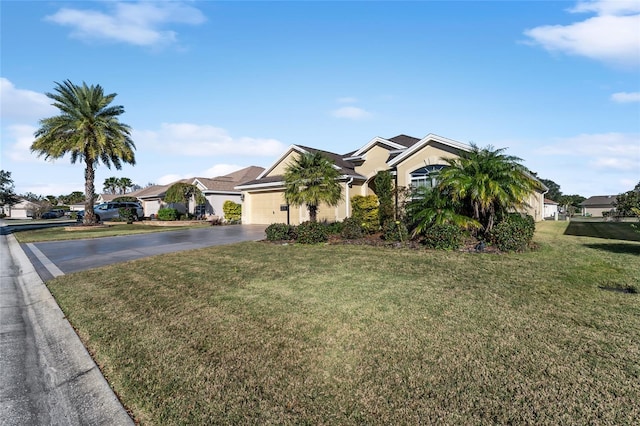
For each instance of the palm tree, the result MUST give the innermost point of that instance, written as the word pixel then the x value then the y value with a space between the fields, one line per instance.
pixel 312 179
pixel 110 185
pixel 431 206
pixel 124 184
pixel 491 182
pixel 88 128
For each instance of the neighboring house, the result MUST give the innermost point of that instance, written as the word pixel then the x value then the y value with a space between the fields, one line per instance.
pixel 105 198
pixel 598 204
pixel 550 209
pixel 219 189
pixel 411 160
pixel 21 210
pixel 216 190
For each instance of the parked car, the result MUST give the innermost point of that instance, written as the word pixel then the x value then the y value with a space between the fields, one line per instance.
pixel 50 215
pixel 111 210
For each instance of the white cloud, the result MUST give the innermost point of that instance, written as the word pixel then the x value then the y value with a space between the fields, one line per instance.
pixel 139 23
pixel 626 97
pixel 220 170
pixel 188 139
pixel 20 150
pixel 611 37
pixel 604 151
pixel 23 105
pixel 351 112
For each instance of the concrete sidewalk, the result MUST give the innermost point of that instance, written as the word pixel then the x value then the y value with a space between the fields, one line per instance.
pixel 48 377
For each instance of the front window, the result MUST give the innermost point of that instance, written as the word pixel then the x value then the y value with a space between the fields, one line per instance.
pixel 426 176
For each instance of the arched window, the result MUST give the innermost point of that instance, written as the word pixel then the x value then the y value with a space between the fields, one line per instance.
pixel 426 176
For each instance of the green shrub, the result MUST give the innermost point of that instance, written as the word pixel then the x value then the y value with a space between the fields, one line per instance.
pixel 232 211
pixel 444 237
pixel 513 233
pixel 127 214
pixel 394 230
pixel 365 209
pixel 280 232
pixel 351 229
pixel 168 214
pixel 334 228
pixel 311 233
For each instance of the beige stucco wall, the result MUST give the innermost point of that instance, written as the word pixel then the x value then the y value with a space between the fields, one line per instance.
pixel 281 167
pixel 429 155
pixel 375 161
pixel 596 211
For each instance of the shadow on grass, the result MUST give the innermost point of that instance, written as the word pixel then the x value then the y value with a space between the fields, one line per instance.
pixel 608 230
pixel 620 248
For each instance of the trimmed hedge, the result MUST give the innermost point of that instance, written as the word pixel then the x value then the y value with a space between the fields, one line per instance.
pixel 311 233
pixel 280 232
pixel 444 237
pixel 168 214
pixel 232 211
pixel 514 232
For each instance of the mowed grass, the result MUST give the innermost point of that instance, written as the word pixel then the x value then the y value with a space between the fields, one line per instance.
pixel 257 333
pixel 59 233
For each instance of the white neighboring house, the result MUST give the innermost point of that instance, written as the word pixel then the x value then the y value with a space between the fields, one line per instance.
pixel 21 210
pixel 550 209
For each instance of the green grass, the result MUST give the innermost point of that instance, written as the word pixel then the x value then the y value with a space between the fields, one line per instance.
pixel 114 229
pixel 257 333
pixel 609 230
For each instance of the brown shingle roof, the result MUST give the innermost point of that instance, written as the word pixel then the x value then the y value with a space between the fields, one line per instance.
pixel 404 140
pixel 599 200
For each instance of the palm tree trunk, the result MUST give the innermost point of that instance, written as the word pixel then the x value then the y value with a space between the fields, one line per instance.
pixel 89 191
pixel 313 213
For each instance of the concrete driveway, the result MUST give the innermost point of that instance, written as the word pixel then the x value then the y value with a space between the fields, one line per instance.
pixel 56 258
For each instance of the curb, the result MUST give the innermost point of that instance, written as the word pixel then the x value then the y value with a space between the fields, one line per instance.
pixel 74 391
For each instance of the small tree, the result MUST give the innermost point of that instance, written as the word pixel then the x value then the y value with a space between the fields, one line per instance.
pixel 7 194
pixel 365 210
pixel 310 180
pixel 232 211
pixel 384 191
pixel 182 192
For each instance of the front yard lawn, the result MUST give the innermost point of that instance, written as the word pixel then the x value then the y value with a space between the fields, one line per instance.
pixel 258 333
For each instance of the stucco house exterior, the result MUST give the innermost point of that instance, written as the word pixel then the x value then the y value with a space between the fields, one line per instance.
pixel 596 205
pixel 21 210
pixel 412 161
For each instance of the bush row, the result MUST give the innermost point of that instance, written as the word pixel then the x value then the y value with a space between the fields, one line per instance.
pixel 513 233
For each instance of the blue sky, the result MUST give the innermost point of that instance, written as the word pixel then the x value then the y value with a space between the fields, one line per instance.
pixel 210 87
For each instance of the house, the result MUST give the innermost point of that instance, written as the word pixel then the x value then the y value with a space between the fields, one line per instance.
pixel 598 205
pixel 216 191
pixel 550 209
pixel 412 161
pixel 21 210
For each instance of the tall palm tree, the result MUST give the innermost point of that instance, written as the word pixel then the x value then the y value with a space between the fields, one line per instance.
pixel 491 182
pixel 312 179
pixel 111 185
pixel 87 128
pixel 124 183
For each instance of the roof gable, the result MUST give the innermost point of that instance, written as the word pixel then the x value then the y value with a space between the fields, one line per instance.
pixel 430 138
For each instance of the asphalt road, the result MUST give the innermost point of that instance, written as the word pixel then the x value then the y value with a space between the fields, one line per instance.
pixel 63 257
